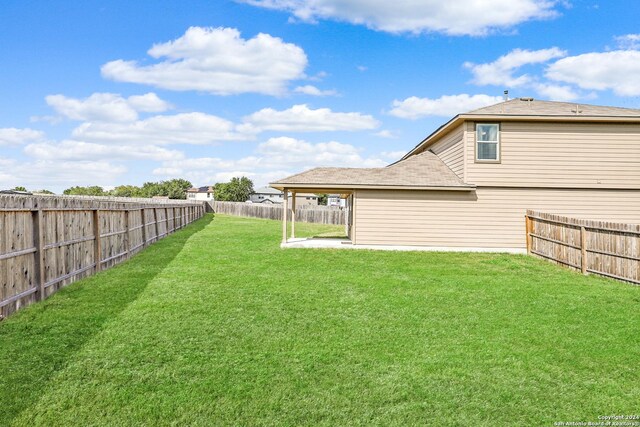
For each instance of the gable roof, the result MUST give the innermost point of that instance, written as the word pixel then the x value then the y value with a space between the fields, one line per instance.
pixel 535 107
pixel 423 171
pixel 529 109
pixel 267 190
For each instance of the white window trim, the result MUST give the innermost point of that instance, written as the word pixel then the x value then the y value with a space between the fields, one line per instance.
pixel 498 143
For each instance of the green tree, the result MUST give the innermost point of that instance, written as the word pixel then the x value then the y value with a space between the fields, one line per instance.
pixel 151 189
pixel 43 192
pixel 236 190
pixel 175 188
pixel 220 190
pixel 323 199
pixel 93 190
pixel 126 191
pixel 20 188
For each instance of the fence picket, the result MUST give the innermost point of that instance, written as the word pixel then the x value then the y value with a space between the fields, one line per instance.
pixel 605 248
pixel 47 242
pixel 304 213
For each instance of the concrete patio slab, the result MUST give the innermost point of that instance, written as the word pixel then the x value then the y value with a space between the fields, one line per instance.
pixel 344 243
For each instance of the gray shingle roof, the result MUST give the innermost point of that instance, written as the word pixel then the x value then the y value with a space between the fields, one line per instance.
pixel 426 169
pixel 534 107
pixel 267 190
pixel 422 170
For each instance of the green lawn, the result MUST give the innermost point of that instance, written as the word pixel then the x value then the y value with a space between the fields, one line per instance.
pixel 216 325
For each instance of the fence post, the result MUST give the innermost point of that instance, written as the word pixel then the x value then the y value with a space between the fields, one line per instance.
pixel 97 247
pixel 155 220
pixel 285 208
pixel 38 242
pixel 144 227
pixel 529 230
pixel 293 214
pixel 166 217
pixel 583 249
pixel 127 239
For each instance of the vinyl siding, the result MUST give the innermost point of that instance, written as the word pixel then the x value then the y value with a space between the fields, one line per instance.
pixel 450 149
pixel 487 218
pixel 560 155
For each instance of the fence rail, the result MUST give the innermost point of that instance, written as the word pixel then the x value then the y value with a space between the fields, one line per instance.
pixel 304 213
pixel 599 247
pixel 49 242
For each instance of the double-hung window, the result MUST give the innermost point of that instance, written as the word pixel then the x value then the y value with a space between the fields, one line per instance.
pixel 487 142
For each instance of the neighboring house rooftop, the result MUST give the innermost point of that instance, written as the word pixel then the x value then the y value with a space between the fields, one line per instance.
pixel 205 189
pixel 267 190
pixel 425 170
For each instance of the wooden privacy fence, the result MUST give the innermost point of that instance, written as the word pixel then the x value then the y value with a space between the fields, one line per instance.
pixel 605 248
pixel 48 242
pixel 305 213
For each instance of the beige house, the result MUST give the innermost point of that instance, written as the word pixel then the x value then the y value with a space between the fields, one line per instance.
pixel 468 184
pixel 201 193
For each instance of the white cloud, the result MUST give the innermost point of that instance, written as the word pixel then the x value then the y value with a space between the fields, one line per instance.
pixel 503 72
pixel 446 106
pixel 557 92
pixel 108 107
pixel 273 159
pixel 393 155
pixel 616 70
pixel 78 150
pixel 628 41
pixel 149 103
pixel 300 118
pixel 15 136
pixel 218 61
pixel 386 134
pixel 321 75
pixel 186 128
pixel 55 174
pixel 291 152
pixel 460 17
pixel 200 128
pixel 206 163
pixel 314 91
pixel 500 72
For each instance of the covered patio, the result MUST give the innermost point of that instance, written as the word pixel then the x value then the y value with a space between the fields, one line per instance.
pixel 424 172
pixel 289 238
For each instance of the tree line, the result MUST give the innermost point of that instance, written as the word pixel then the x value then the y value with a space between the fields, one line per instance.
pixel 237 189
pixel 173 189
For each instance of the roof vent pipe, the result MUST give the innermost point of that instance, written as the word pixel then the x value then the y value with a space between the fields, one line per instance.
pixel 506 95
pixel 527 100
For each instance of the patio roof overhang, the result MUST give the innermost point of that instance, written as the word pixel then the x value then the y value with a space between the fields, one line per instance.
pixel 350 188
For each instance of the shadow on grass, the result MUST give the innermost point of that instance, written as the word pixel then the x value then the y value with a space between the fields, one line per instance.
pixel 38 341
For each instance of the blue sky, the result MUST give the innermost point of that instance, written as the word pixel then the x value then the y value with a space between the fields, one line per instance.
pixel 120 92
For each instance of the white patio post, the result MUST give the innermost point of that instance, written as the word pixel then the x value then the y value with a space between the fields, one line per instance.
pixel 293 214
pixel 285 207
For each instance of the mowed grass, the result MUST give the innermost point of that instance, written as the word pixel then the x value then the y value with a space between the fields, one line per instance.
pixel 216 325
